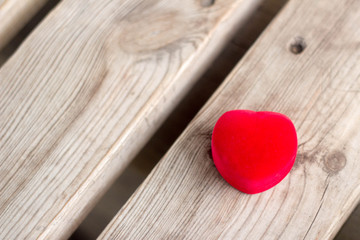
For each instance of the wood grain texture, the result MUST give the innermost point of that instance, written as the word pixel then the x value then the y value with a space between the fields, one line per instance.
pixel 175 124
pixel 319 89
pixel 14 14
pixel 83 94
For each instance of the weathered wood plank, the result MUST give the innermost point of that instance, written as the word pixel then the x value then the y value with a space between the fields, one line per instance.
pixel 83 94
pixel 14 14
pixel 184 197
pixel 174 125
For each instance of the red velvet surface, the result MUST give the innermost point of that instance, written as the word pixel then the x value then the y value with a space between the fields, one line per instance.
pixel 253 151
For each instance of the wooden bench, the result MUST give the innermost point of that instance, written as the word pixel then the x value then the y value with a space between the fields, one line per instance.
pixel 304 65
pixel 83 94
pixel 92 83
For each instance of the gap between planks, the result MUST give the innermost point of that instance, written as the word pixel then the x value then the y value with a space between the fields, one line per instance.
pixel 14 14
pixel 180 117
pixel 83 94
pixel 319 89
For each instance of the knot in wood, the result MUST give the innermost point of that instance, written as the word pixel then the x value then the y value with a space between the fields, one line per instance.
pixel 207 3
pixel 334 162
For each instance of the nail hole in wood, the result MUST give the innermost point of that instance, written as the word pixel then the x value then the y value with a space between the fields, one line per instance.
pixel 207 3
pixel 298 45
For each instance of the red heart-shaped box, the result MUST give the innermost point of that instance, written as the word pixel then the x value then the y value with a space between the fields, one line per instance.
pixel 253 151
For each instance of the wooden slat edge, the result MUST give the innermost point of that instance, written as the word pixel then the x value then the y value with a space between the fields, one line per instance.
pixel 319 89
pixel 14 14
pixel 83 94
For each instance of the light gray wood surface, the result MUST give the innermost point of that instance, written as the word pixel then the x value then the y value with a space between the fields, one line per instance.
pixel 83 94
pixel 14 14
pixel 185 198
pixel 173 126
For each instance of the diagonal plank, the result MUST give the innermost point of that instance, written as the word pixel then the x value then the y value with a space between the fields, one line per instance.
pixel 14 14
pixel 319 88
pixel 83 94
